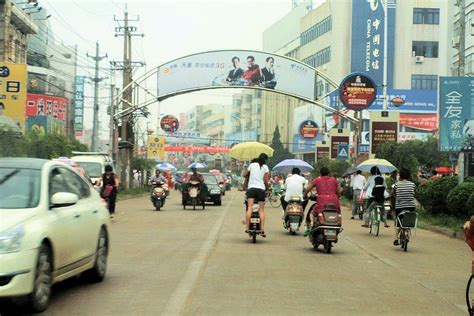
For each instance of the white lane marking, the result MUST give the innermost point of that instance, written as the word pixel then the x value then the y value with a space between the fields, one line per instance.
pixel 178 300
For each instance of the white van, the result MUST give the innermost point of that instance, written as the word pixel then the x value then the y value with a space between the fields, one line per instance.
pixel 93 162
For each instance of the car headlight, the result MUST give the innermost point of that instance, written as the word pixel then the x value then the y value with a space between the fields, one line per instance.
pixel 215 191
pixel 10 240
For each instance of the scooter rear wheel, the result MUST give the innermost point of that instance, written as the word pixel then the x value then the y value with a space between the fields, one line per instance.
pixel 327 246
pixel 254 237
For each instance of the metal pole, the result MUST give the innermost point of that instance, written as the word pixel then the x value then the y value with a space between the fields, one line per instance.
pixel 95 127
pixel 461 73
pixel 126 81
pixel 385 54
pixel 112 122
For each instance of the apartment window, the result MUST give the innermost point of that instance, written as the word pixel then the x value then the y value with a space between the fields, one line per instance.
pixel 316 30
pixel 320 58
pixel 425 16
pixel 426 49
pixel 424 82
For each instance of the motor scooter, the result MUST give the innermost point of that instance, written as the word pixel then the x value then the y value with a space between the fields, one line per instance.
pixel 158 195
pixel 293 216
pixel 193 195
pixel 327 227
pixel 254 227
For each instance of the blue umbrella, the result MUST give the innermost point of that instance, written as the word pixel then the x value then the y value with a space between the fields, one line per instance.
pixel 287 165
pixel 165 165
pixel 197 165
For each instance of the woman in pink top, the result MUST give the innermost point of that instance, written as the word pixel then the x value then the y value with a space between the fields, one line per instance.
pixel 328 191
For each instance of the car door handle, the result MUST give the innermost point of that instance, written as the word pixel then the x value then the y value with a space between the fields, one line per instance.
pixel 77 215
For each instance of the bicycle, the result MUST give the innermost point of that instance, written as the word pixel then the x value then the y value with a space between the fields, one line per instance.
pixel 406 222
pixel 375 218
pixel 360 208
pixel 469 300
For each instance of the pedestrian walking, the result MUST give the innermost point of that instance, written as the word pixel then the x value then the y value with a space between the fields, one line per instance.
pixel 109 183
pixel 358 182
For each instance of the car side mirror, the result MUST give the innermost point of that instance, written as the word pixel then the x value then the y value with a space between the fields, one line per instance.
pixel 63 199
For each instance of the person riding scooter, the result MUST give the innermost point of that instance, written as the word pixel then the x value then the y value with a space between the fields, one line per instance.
pixel 159 178
pixel 294 186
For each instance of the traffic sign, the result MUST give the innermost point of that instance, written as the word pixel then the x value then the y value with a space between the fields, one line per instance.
pixel 343 151
pixel 363 148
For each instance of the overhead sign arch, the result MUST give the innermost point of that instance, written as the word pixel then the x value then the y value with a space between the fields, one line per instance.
pixel 230 69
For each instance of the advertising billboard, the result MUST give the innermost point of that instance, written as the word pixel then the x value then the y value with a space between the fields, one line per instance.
pixel 425 122
pixel 309 129
pixel 301 116
pixel 367 49
pixel 357 91
pixel 456 113
pixel 79 103
pixel 46 105
pixel 383 132
pixel 45 125
pixel 236 68
pixel 13 95
pixel 156 147
pixel 322 151
pixel 169 123
pixel 336 141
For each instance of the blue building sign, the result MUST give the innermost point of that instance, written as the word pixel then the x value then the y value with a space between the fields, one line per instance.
pixel 456 113
pixel 304 145
pixel 368 38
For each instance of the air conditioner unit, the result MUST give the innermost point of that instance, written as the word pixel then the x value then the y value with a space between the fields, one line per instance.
pixel 455 41
pixel 419 59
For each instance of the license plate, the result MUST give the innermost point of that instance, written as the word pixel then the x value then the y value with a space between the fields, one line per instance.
pixel 330 232
pixel 255 220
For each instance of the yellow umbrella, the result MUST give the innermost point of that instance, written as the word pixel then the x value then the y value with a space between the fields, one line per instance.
pixel 383 165
pixel 250 150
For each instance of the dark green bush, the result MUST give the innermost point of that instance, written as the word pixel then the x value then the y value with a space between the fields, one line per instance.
pixel 458 198
pixel 433 194
pixel 470 204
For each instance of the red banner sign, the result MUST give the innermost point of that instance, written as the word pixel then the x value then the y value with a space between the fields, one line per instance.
pixel 425 122
pixel 202 149
pixel 46 105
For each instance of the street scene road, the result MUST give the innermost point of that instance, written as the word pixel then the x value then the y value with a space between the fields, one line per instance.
pixel 201 263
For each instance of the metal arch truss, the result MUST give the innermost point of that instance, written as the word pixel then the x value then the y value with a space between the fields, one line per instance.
pixel 138 108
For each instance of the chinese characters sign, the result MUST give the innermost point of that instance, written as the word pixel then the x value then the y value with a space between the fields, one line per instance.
pixel 335 142
pixel 357 91
pixel 156 147
pixel 46 105
pixel 425 122
pixel 456 113
pixel 309 129
pixel 79 104
pixel 383 132
pixel 236 68
pixel 13 93
pixel 169 124
pixel 368 38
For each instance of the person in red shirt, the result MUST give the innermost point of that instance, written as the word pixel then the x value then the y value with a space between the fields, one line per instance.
pixel 252 75
pixel 469 234
pixel 328 191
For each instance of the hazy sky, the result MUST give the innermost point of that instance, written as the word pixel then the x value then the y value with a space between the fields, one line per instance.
pixel 172 28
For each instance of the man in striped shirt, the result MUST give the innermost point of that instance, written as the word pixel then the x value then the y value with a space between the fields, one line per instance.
pixel 404 192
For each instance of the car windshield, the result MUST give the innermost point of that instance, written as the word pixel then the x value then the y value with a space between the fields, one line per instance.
pixel 94 169
pixel 19 188
pixel 210 179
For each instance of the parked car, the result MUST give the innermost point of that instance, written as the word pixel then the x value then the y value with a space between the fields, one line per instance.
pixel 214 191
pixel 53 226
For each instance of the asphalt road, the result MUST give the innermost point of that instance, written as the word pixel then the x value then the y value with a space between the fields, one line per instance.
pixel 201 263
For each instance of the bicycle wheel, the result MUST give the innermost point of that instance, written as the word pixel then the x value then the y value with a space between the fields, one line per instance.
pixel 468 296
pixel 275 201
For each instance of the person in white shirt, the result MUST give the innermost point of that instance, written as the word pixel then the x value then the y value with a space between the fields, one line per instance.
pixel 357 184
pixel 259 175
pixel 294 186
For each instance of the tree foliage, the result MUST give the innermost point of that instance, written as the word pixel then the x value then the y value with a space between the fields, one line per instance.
pixel 414 154
pixel 280 152
pixel 38 145
pixel 336 167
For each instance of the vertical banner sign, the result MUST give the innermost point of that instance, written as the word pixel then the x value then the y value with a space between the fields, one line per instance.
pixel 13 94
pixel 156 147
pixel 368 38
pixel 79 104
pixel 335 142
pixel 456 114
pixel 383 132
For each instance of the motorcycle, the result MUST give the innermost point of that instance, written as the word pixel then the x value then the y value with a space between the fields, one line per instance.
pixel 327 227
pixel 158 195
pixel 294 214
pixel 193 194
pixel 254 227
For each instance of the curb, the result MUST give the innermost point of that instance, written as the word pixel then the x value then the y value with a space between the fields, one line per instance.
pixel 444 231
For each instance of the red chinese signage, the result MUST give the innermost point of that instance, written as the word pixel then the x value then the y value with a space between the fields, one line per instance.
pixel 46 105
pixel 201 149
pixel 357 92
pixel 309 129
pixel 383 132
pixel 169 124
pixel 322 152
pixel 425 122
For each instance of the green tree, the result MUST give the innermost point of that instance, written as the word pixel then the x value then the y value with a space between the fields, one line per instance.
pixel 280 153
pixel 11 145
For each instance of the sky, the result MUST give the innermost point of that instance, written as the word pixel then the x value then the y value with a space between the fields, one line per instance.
pixel 171 28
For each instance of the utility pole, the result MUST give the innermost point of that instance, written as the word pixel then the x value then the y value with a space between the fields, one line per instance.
pixel 96 80
pixel 461 72
pixel 126 130
pixel 112 123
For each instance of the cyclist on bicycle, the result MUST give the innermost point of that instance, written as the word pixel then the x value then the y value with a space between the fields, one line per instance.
pixel 377 198
pixel 404 192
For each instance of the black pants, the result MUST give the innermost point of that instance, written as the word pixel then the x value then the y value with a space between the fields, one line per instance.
pixel 111 199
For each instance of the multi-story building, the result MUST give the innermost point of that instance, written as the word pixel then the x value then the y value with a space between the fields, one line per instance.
pixel 340 37
pixel 210 120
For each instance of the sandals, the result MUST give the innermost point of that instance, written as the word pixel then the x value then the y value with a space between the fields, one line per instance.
pixel 365 226
pixel 386 226
pixel 263 234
